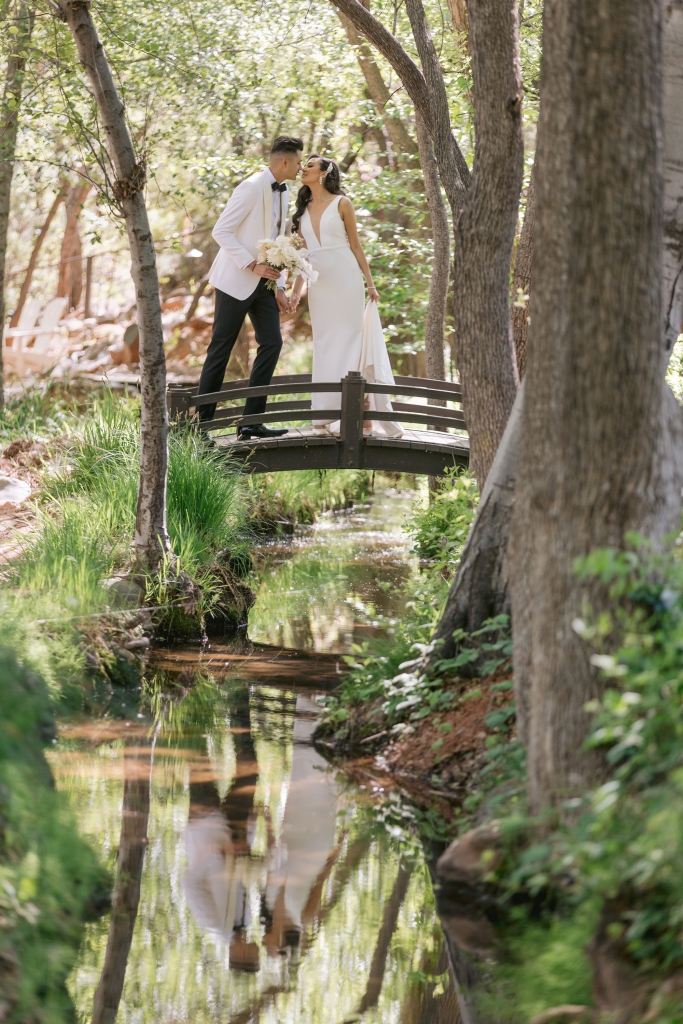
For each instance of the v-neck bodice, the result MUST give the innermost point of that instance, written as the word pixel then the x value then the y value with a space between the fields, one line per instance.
pixel 332 231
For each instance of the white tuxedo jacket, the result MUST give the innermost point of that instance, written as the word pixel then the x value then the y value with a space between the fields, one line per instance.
pixel 243 223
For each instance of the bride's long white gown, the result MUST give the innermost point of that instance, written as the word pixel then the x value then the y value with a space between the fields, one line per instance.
pixel 345 337
pixel 336 302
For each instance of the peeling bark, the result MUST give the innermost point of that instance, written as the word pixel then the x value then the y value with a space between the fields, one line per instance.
pixel 23 17
pixel 151 537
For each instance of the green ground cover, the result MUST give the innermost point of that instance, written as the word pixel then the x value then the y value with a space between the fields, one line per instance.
pixel 608 865
pixel 53 605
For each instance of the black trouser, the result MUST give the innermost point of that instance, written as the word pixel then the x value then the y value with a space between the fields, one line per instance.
pixel 230 313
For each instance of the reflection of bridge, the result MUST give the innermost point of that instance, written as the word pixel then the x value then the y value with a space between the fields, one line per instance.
pixel 428 451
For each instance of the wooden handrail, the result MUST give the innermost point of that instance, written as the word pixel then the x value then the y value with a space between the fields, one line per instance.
pixel 352 413
pixel 261 392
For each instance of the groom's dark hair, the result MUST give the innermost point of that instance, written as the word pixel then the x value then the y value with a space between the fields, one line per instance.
pixel 286 144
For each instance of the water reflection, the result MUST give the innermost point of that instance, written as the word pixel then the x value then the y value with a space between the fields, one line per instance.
pixel 344 583
pixel 269 890
pixel 253 882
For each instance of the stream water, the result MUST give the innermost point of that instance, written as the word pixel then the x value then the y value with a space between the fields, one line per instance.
pixel 253 882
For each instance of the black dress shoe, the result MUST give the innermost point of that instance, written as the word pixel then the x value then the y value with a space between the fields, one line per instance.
pixel 258 430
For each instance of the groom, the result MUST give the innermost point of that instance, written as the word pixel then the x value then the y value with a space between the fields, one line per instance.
pixel 257 209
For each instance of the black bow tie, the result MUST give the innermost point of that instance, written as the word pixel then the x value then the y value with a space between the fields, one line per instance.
pixel 278 188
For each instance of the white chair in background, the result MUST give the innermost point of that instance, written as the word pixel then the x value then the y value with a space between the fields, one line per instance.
pixel 18 357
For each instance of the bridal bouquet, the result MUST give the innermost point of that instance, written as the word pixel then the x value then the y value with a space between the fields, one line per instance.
pixel 282 254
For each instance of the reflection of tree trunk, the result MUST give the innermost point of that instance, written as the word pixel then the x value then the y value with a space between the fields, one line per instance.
pixel 239 800
pixel 132 846
pixel 37 246
pixel 23 18
pixel 71 265
pixel 421 1006
pixel 389 922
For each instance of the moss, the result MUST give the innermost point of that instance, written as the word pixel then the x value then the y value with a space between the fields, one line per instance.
pixel 50 879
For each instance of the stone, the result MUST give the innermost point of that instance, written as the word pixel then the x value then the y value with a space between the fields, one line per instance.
pixel 123 593
pixel 13 492
pixel 471 856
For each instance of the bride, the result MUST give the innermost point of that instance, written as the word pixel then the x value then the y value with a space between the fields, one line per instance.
pixel 345 335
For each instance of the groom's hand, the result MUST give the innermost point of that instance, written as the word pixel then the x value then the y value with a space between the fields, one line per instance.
pixel 282 301
pixel 263 270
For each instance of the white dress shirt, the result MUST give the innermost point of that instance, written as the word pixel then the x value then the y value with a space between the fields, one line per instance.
pixel 279 199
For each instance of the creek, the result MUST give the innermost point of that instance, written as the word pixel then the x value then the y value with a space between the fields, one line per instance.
pixel 254 882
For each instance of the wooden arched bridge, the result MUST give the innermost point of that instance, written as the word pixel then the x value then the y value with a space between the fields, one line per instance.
pixel 420 451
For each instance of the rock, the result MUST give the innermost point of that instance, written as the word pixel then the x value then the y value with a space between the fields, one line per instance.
pixel 13 492
pixel 471 856
pixel 137 645
pixel 124 593
pixel 474 935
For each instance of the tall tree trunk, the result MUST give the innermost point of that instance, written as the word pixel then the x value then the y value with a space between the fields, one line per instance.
pixel 593 419
pixel 399 136
pixel 480 589
pixel 458 9
pixel 438 286
pixel 481 585
pixel 521 281
pixel 379 958
pixel 70 283
pixel 448 154
pixel 35 253
pixel 404 144
pixel 151 536
pixel 124 911
pixel 453 168
pixel 672 278
pixel 23 18
pixel 485 231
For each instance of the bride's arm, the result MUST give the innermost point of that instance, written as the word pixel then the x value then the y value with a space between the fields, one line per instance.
pixel 296 294
pixel 348 215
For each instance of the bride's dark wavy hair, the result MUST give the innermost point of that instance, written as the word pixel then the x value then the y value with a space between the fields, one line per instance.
pixel 332 184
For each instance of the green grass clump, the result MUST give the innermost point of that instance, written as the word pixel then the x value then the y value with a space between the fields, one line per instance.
pixel 41 412
pixel 297 497
pixel 48 875
pixel 87 515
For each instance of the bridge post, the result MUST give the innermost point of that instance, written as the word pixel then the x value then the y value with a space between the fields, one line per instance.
pixel 177 402
pixel 352 409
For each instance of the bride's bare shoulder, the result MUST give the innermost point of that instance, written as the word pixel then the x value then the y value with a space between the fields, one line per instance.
pixel 345 205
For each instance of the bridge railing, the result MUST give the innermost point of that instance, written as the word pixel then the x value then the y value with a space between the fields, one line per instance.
pixel 184 402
